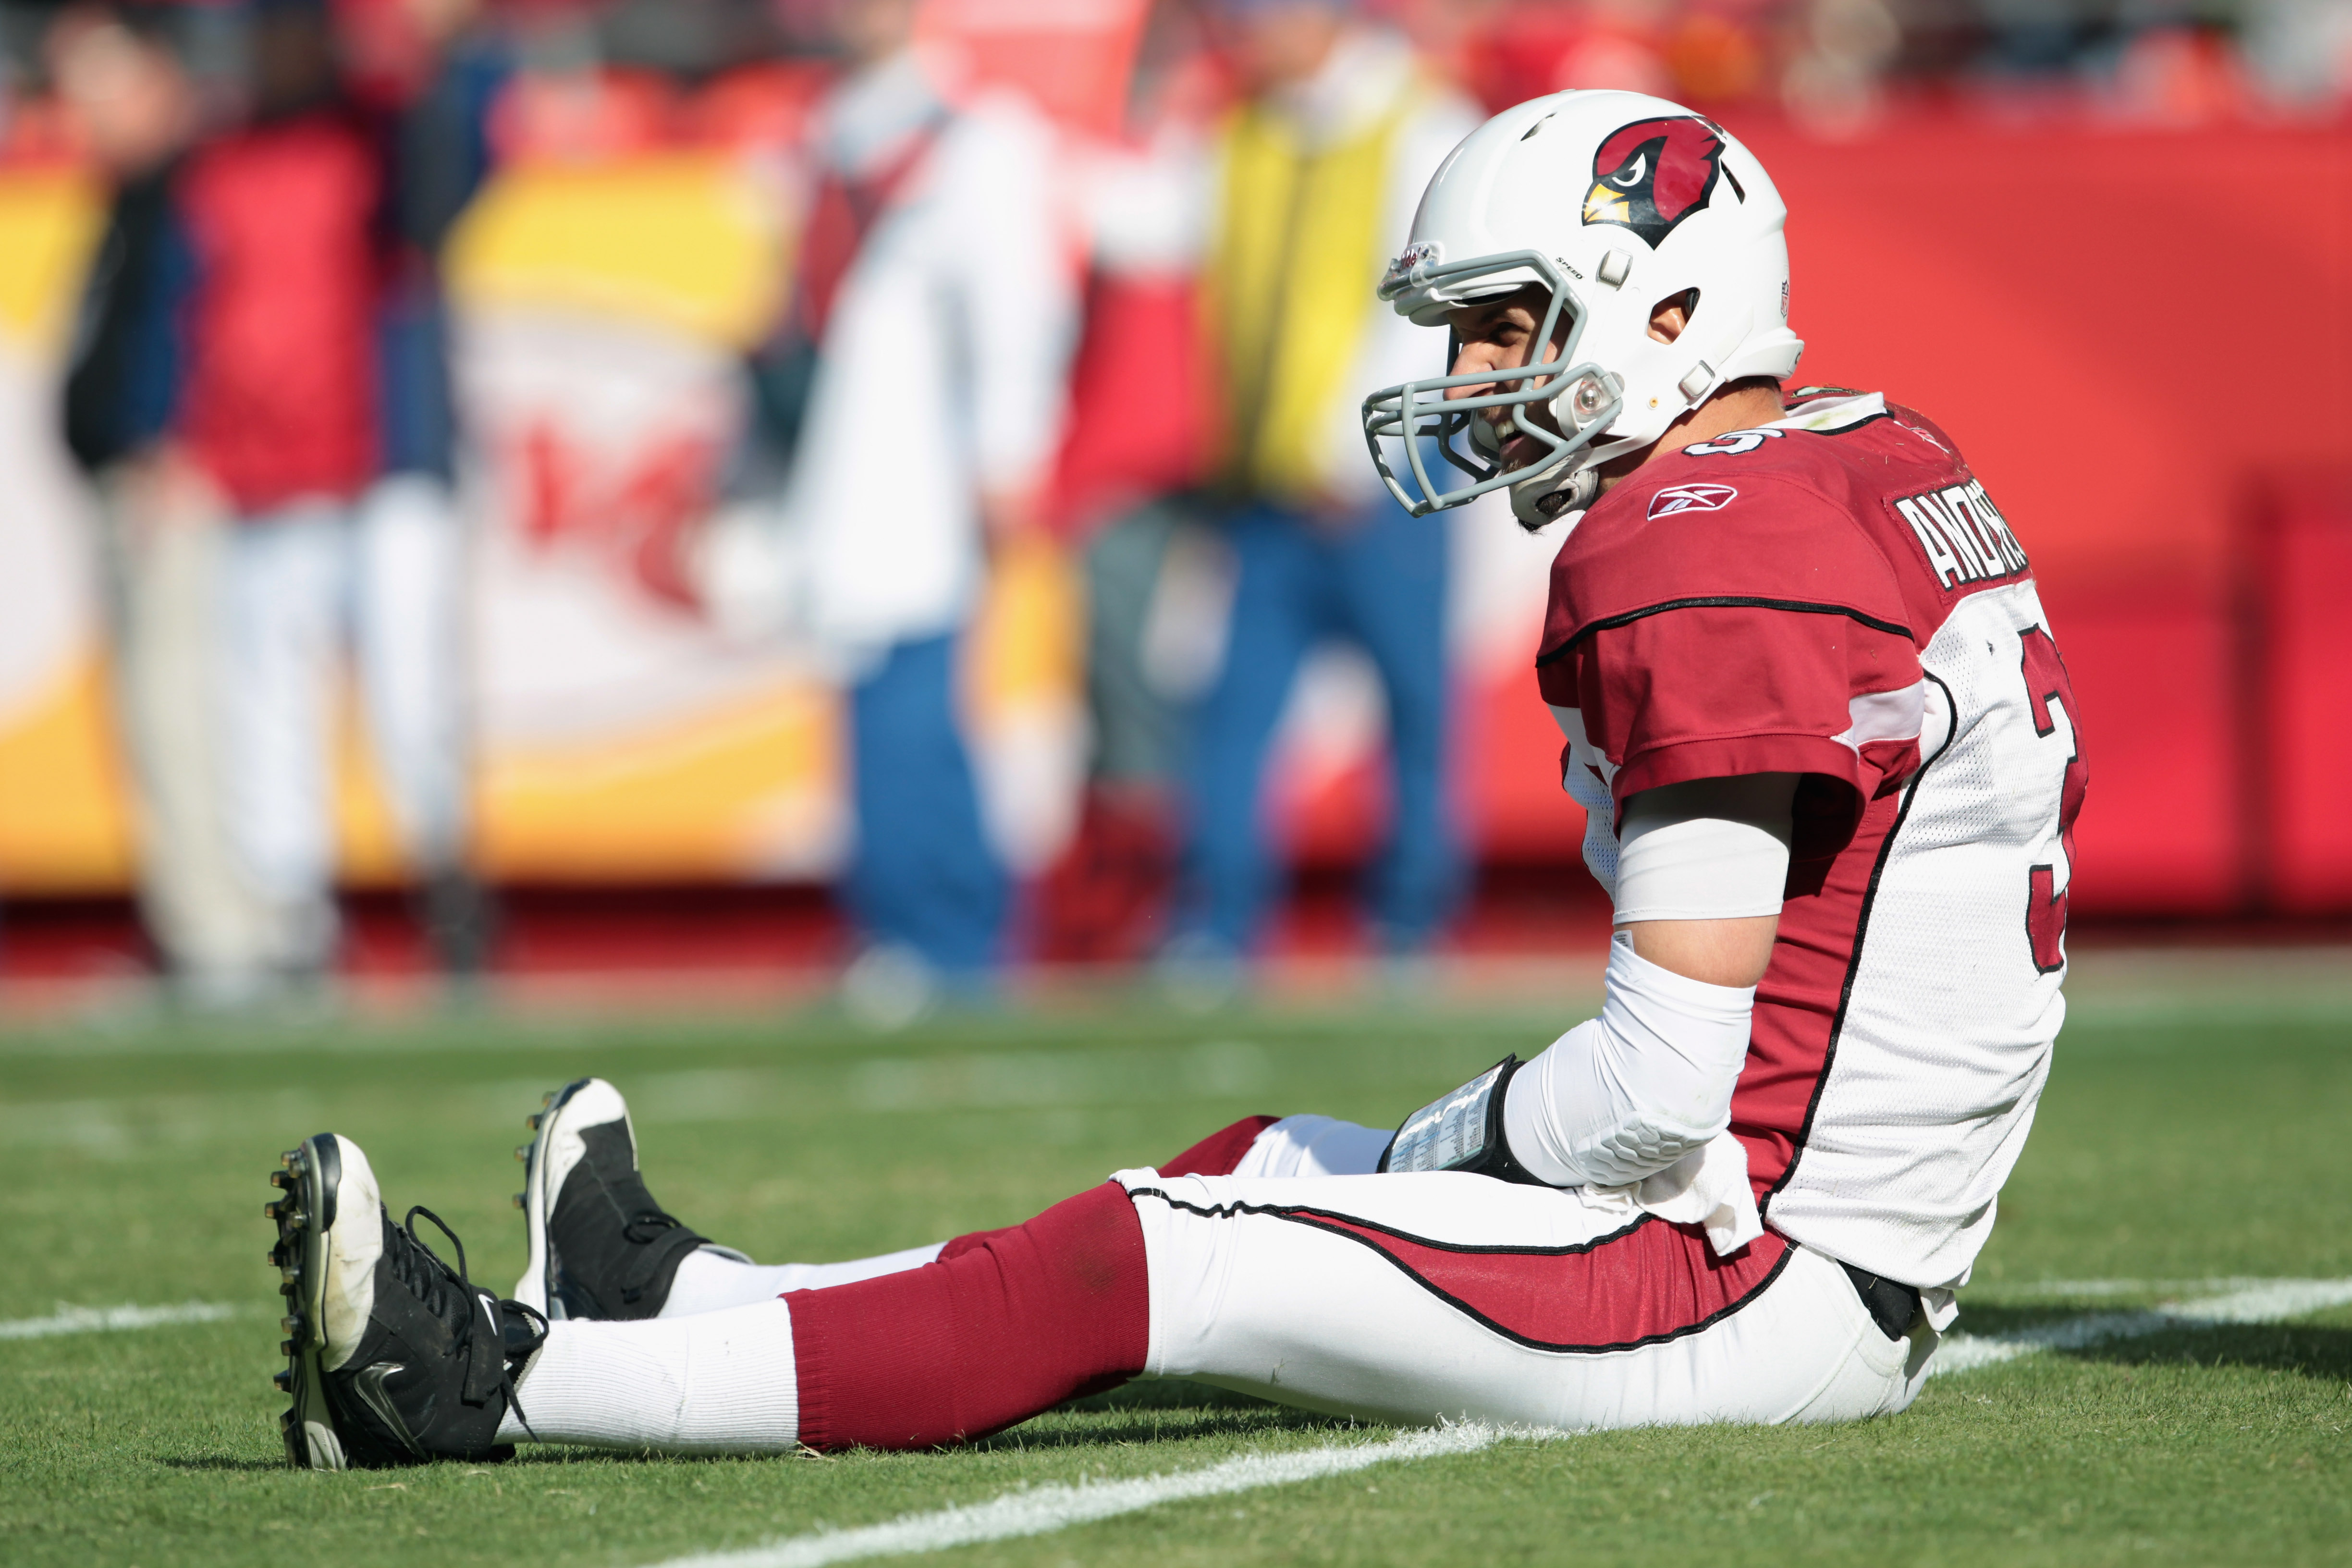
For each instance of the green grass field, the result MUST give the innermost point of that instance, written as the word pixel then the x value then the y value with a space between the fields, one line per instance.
pixel 2190 1132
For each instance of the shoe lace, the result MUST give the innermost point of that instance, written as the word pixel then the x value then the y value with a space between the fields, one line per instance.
pixel 450 1295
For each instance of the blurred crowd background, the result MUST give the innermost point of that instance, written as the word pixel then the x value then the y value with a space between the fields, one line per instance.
pixel 909 447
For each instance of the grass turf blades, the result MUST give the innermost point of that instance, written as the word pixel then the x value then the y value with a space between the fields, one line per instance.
pixel 130 1180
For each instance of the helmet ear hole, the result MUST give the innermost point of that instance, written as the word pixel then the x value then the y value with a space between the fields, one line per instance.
pixel 1670 318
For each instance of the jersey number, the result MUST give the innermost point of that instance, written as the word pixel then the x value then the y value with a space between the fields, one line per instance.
pixel 2046 905
pixel 1733 444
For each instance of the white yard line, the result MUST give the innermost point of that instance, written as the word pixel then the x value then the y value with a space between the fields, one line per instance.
pixel 108 1320
pixel 1039 1510
pixel 2256 1301
pixel 2030 1292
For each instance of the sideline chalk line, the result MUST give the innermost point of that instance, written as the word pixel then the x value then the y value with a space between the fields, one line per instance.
pixel 105 1319
pixel 2264 1302
pixel 1042 1510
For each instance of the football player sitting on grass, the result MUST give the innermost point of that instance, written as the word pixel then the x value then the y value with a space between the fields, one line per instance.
pixel 1826 745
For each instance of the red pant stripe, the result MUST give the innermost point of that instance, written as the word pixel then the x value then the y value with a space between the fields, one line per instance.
pixel 1649 1283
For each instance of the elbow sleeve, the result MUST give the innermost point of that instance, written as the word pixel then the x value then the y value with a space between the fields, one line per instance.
pixel 1622 1097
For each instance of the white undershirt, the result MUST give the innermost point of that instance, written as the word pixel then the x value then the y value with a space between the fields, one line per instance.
pixel 1706 849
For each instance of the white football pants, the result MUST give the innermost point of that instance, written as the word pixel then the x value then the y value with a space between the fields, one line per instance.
pixel 1396 1297
pixel 1444 1296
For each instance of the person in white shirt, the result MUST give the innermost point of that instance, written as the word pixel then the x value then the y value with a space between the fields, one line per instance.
pixel 936 291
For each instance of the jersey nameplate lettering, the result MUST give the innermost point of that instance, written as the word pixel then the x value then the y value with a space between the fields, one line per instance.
pixel 1965 536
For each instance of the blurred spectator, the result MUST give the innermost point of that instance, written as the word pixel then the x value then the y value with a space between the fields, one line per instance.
pixel 2179 74
pixel 1621 45
pixel 933 311
pixel 1834 85
pixel 277 409
pixel 120 77
pixel 1529 47
pixel 2033 37
pixel 1141 411
pixel 424 75
pixel 1319 171
pixel 1715 54
pixel 247 359
pixel 2301 50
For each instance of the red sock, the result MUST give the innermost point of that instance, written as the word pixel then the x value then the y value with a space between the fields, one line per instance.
pixel 1005 1324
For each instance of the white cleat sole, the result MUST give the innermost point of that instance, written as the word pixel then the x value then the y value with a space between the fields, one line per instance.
pixel 323 1180
pixel 554 1149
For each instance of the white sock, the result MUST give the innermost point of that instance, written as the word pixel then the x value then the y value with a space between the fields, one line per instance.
pixel 711 1281
pixel 721 1382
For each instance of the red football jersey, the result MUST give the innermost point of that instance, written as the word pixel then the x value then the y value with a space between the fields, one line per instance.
pixel 1834 596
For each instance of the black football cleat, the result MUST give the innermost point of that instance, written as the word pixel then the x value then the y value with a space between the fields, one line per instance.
pixel 393 1357
pixel 600 1246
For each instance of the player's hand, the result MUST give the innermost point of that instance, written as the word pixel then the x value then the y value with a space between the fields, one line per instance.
pixel 1011 516
pixel 165 488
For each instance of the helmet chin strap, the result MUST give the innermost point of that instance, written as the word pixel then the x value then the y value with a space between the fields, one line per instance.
pixel 1547 497
pixel 1549 494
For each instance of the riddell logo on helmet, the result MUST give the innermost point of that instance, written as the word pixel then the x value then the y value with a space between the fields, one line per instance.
pixel 1691 497
pixel 1650 175
pixel 1419 251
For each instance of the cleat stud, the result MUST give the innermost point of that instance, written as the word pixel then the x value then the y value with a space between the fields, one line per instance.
pixel 287 1348
pixel 522 1152
pixel 291 1324
pixel 518 1200
pixel 269 1210
pixel 291 1159
pixel 546 1100
pixel 290 1273
pixel 284 1380
pixel 531 1120
pixel 282 1180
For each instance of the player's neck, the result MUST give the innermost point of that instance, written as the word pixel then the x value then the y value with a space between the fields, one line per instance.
pixel 1736 408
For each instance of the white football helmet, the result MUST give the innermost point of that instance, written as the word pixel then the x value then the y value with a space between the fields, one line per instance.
pixel 1613 202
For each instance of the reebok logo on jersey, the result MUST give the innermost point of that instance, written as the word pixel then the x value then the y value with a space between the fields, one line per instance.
pixel 1691 497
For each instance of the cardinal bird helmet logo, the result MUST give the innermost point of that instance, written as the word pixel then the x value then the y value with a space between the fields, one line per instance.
pixel 1650 175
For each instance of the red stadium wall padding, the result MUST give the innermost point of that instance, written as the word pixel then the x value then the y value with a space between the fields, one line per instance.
pixel 2302 552
pixel 2119 329
pixel 2160 829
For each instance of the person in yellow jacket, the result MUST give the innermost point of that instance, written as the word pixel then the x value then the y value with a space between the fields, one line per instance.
pixel 1316 175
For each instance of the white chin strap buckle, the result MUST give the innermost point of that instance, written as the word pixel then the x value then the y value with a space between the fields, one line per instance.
pixel 1544 499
